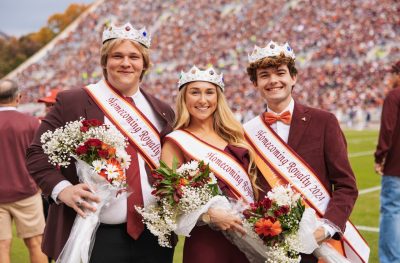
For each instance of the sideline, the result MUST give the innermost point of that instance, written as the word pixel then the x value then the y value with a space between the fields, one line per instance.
pixel 361 139
pixel 368 228
pixel 369 190
pixel 358 154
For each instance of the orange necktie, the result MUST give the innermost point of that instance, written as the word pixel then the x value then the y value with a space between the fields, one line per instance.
pixel 271 118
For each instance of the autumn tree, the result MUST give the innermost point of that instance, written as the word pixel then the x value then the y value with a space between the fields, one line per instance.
pixel 14 51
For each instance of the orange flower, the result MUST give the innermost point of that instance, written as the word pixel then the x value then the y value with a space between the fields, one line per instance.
pixel 267 228
pixel 111 151
pixel 103 174
pixel 183 181
pixel 104 146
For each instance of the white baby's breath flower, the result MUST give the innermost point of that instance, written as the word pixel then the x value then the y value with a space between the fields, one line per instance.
pixel 284 195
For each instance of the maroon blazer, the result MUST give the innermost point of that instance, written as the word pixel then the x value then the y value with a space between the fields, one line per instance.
pixel 70 106
pixel 388 148
pixel 316 136
pixel 16 134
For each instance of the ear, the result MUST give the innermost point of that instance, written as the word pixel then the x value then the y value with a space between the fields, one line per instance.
pixel 294 78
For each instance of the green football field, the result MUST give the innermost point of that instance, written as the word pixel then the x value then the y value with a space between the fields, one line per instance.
pixel 361 145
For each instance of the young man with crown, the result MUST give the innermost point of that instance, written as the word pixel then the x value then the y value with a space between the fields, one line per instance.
pixel 115 100
pixel 206 130
pixel 305 147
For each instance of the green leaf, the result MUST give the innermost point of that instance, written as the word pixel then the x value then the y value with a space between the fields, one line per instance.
pixel 174 164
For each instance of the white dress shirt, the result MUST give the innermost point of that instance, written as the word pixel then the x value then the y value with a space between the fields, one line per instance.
pixel 279 127
pixel 115 212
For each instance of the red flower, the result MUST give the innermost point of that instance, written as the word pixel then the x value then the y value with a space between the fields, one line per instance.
pixel 266 203
pixel 247 214
pixel 254 206
pixel 157 175
pixel 267 228
pixel 282 211
pixel 176 197
pixel 278 213
pixel 81 150
pixel 285 209
pixel 103 153
pixel 84 129
pixel 92 123
pixel 93 143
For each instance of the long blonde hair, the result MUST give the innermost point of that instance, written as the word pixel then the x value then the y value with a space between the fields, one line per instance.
pixel 225 124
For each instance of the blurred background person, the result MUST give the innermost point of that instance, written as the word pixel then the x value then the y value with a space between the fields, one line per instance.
pixel 20 200
pixel 387 164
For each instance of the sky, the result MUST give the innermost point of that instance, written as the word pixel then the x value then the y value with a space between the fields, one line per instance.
pixel 19 17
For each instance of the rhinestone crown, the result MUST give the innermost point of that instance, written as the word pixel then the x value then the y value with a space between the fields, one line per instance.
pixel 271 50
pixel 127 31
pixel 195 74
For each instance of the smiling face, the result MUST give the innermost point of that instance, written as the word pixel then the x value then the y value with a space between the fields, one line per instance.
pixel 275 85
pixel 124 67
pixel 201 100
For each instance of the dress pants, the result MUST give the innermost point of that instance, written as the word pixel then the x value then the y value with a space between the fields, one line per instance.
pixel 114 245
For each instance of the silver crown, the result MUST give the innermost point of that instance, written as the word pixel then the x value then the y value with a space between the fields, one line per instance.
pixel 195 74
pixel 127 31
pixel 271 50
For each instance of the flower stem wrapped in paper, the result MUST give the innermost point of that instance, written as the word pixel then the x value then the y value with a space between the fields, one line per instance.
pixel 183 194
pixel 279 228
pixel 101 161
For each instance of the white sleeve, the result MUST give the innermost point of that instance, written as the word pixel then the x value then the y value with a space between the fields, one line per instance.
pixel 58 188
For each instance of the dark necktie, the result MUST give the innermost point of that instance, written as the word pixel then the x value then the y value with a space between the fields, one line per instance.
pixel 134 220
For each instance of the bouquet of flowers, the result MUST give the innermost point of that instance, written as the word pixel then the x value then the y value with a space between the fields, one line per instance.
pixel 275 220
pixel 101 161
pixel 279 228
pixel 182 195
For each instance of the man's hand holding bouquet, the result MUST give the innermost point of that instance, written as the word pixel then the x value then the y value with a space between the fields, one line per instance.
pixel 101 161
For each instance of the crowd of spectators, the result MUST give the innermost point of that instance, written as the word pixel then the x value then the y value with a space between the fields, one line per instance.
pixel 343 48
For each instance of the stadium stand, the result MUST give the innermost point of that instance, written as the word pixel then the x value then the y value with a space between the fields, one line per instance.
pixel 343 48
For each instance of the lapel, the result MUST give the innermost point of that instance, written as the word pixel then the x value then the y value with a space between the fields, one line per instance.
pixel 92 111
pixel 300 120
pixel 161 111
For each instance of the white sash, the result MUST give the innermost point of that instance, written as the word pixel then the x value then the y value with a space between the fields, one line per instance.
pixel 129 120
pixel 288 165
pixel 223 165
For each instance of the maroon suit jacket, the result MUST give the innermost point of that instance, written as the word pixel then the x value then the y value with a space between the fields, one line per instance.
pixel 70 106
pixel 16 134
pixel 388 149
pixel 316 136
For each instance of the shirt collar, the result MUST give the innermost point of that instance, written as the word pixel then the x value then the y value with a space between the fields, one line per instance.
pixel 136 95
pixel 289 108
pixel 7 108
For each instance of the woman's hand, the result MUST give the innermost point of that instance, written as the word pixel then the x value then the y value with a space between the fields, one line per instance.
pixel 224 220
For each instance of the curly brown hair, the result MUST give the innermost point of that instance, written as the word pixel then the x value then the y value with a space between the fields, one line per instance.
pixel 271 62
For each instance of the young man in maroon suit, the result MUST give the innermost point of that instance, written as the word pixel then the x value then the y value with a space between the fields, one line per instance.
pixel 387 164
pixel 20 200
pixel 121 236
pixel 313 134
